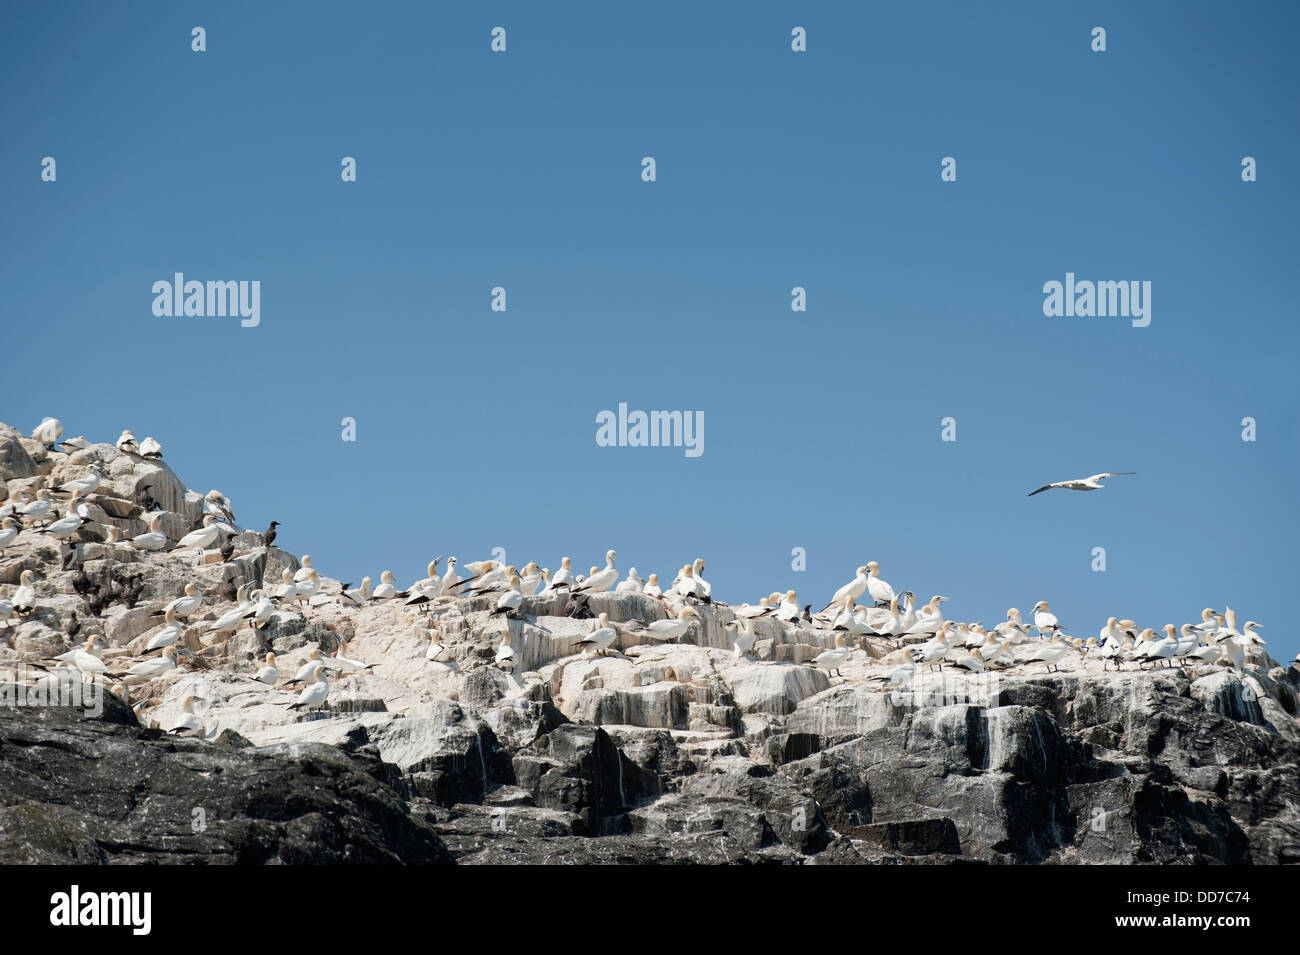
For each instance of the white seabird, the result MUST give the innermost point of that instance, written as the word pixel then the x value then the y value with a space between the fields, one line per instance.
pixel 359 597
pixel 168 635
pixel 78 443
pixel 153 539
pixel 1044 619
pixel 510 601
pixel 185 605
pixel 126 443
pixel 602 638
pixel 315 693
pixel 187 720
pixel 652 586
pixel 82 486
pixel 270 673
pixel 24 598
pixel 830 660
pixel 200 538
pixel 9 531
pixel 218 505
pixel 880 591
pixel 230 619
pixel 148 670
pixel 601 581
pixel 706 588
pixel 789 609
pixel 151 449
pixel 38 509
pixel 673 629
pixel 505 658
pixel 745 636
pixel 851 591
pixel 564 576
pixel 632 585
pixel 387 587
pixel 1081 484
pixel 48 431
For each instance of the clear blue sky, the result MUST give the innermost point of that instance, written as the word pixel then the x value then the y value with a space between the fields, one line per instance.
pixel 775 169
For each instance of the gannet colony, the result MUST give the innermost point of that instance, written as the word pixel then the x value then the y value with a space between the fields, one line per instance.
pixel 177 688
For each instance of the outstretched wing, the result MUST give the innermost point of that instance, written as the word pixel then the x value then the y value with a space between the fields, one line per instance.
pixel 1045 487
pixel 1098 477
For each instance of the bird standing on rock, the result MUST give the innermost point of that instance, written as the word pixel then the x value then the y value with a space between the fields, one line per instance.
pixel 218 505
pixel 126 443
pixel 269 537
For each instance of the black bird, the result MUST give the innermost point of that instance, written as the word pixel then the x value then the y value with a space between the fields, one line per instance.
pixel 228 549
pixel 229 591
pixel 95 602
pixel 82 583
pixel 74 625
pixel 116 587
pixel 269 536
pixel 134 588
pixel 146 500
pixel 577 607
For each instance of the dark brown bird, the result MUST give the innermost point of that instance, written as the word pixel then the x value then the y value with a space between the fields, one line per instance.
pixel 269 537
pixel 228 549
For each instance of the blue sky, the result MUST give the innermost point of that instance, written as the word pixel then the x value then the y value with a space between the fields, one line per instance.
pixel 476 429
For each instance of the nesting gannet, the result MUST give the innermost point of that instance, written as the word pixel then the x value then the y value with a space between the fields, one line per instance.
pixel 1233 652
pixel 126 443
pixel 1044 620
pixel 1082 484
pixel 530 579
pixel 147 670
pixel 632 585
pixel 602 638
pixel 789 608
pixel 969 660
pixel 1158 649
pixel 38 509
pixel 183 606
pixel 600 581
pixel 652 586
pixel 358 597
pixel 505 658
pixel 929 618
pixel 1111 633
pixel 82 486
pixel 901 675
pixel 425 589
pixel 1187 639
pixel 287 590
pixel 270 673
pixel 151 449
pixel 187 720
pixel 308 669
pixel 200 538
pixel 885 620
pixel 315 693
pixel 79 443
pixel 263 609
pixel 1248 634
pixel 449 579
pixel 510 601
pixel 934 650
pixel 231 619
pixel 308 586
pixel 564 576
pixel 304 567
pixel 153 539
pixel 84 658
pixel 830 660
pixel 68 525
pixel 339 660
pixel 851 591
pixel 671 630
pixel 48 431
pixel 436 649
pixel 745 636
pixel 688 585
pixel 706 589
pixel 168 635
pixel 387 587
pixel 1050 652
pixel 24 598
pixel 879 590
pixel 218 505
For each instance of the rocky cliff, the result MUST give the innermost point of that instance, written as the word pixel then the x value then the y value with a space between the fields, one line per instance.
pixel 676 752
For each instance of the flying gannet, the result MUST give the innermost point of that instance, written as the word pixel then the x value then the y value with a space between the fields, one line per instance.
pixel 1082 484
